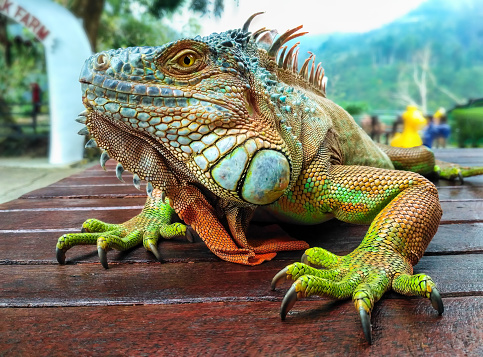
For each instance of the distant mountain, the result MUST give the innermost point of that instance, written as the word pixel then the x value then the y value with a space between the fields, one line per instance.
pixel 378 67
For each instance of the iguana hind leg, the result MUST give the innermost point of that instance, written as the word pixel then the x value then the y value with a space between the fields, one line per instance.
pixel 405 213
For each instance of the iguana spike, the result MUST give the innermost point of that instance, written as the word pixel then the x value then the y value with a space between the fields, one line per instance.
pixel 247 23
pixel 119 171
pixel 295 61
pixel 303 70
pixel 81 119
pixel 83 131
pixel 290 38
pixel 258 33
pixel 279 42
pixel 266 40
pixel 103 159
pixel 324 83
pixel 91 144
pixel 287 63
pixel 281 58
pixel 136 181
pixel 149 189
pixel 317 74
pixel 321 76
pixel 312 72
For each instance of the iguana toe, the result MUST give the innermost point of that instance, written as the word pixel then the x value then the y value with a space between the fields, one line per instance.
pixel 278 278
pixel 363 275
pixel 436 301
pixel 366 325
pixel 304 259
pixel 103 257
pixel 419 285
pixel 289 301
pixel 153 249
pixel 60 255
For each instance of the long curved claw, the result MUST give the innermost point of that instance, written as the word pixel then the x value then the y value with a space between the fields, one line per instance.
pixel 288 302
pixel 155 251
pixel 60 255
pixel 460 177
pixel 436 301
pixel 277 279
pixel 103 257
pixel 366 325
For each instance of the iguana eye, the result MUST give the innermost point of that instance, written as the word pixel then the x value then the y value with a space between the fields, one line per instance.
pixel 186 60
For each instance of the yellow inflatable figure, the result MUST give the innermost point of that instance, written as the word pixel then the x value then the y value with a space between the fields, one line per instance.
pixel 413 121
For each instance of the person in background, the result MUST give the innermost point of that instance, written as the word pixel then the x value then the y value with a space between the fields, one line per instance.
pixel 375 128
pixel 442 128
pixel 429 132
pixel 36 103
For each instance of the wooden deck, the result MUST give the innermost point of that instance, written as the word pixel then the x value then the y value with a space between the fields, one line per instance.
pixel 195 304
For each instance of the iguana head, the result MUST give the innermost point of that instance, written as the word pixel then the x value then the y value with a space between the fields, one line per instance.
pixel 218 112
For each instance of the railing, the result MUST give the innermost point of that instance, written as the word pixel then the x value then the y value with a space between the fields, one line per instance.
pixel 21 120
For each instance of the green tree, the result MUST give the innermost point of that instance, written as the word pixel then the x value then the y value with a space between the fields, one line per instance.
pixel 114 19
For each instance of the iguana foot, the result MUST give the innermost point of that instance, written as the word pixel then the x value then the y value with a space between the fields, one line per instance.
pixel 363 275
pixel 450 173
pixel 147 227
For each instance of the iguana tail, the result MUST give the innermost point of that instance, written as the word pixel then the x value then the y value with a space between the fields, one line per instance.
pixel 420 159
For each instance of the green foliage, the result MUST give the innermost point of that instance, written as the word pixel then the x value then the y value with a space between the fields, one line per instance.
pixel 377 66
pixel 24 65
pixel 355 108
pixel 119 27
pixel 467 124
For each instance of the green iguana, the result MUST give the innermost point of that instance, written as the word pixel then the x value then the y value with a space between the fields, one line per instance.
pixel 224 125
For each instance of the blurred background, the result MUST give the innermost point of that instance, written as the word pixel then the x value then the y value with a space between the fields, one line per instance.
pixel 379 57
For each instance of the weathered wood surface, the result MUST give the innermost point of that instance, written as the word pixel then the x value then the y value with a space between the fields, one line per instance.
pixel 196 304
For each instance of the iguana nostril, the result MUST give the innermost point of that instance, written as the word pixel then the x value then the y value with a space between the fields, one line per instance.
pixel 102 61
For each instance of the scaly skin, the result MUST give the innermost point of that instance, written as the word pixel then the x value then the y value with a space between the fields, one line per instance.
pixel 219 127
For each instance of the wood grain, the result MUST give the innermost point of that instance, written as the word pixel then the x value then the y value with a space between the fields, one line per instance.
pixel 313 328
pixel 195 304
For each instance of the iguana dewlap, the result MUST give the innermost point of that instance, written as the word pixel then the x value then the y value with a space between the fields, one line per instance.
pixel 220 126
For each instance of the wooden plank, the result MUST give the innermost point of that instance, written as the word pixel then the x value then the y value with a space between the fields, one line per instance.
pixel 400 327
pixel 462 211
pixel 37 223
pixel 37 229
pixel 122 284
pixel 89 191
pixel 108 188
pixel 21 206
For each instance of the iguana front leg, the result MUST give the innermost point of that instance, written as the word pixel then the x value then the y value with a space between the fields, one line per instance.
pixel 405 212
pixel 154 222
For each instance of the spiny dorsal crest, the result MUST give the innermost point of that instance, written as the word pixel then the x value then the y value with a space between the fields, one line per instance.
pixel 267 39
